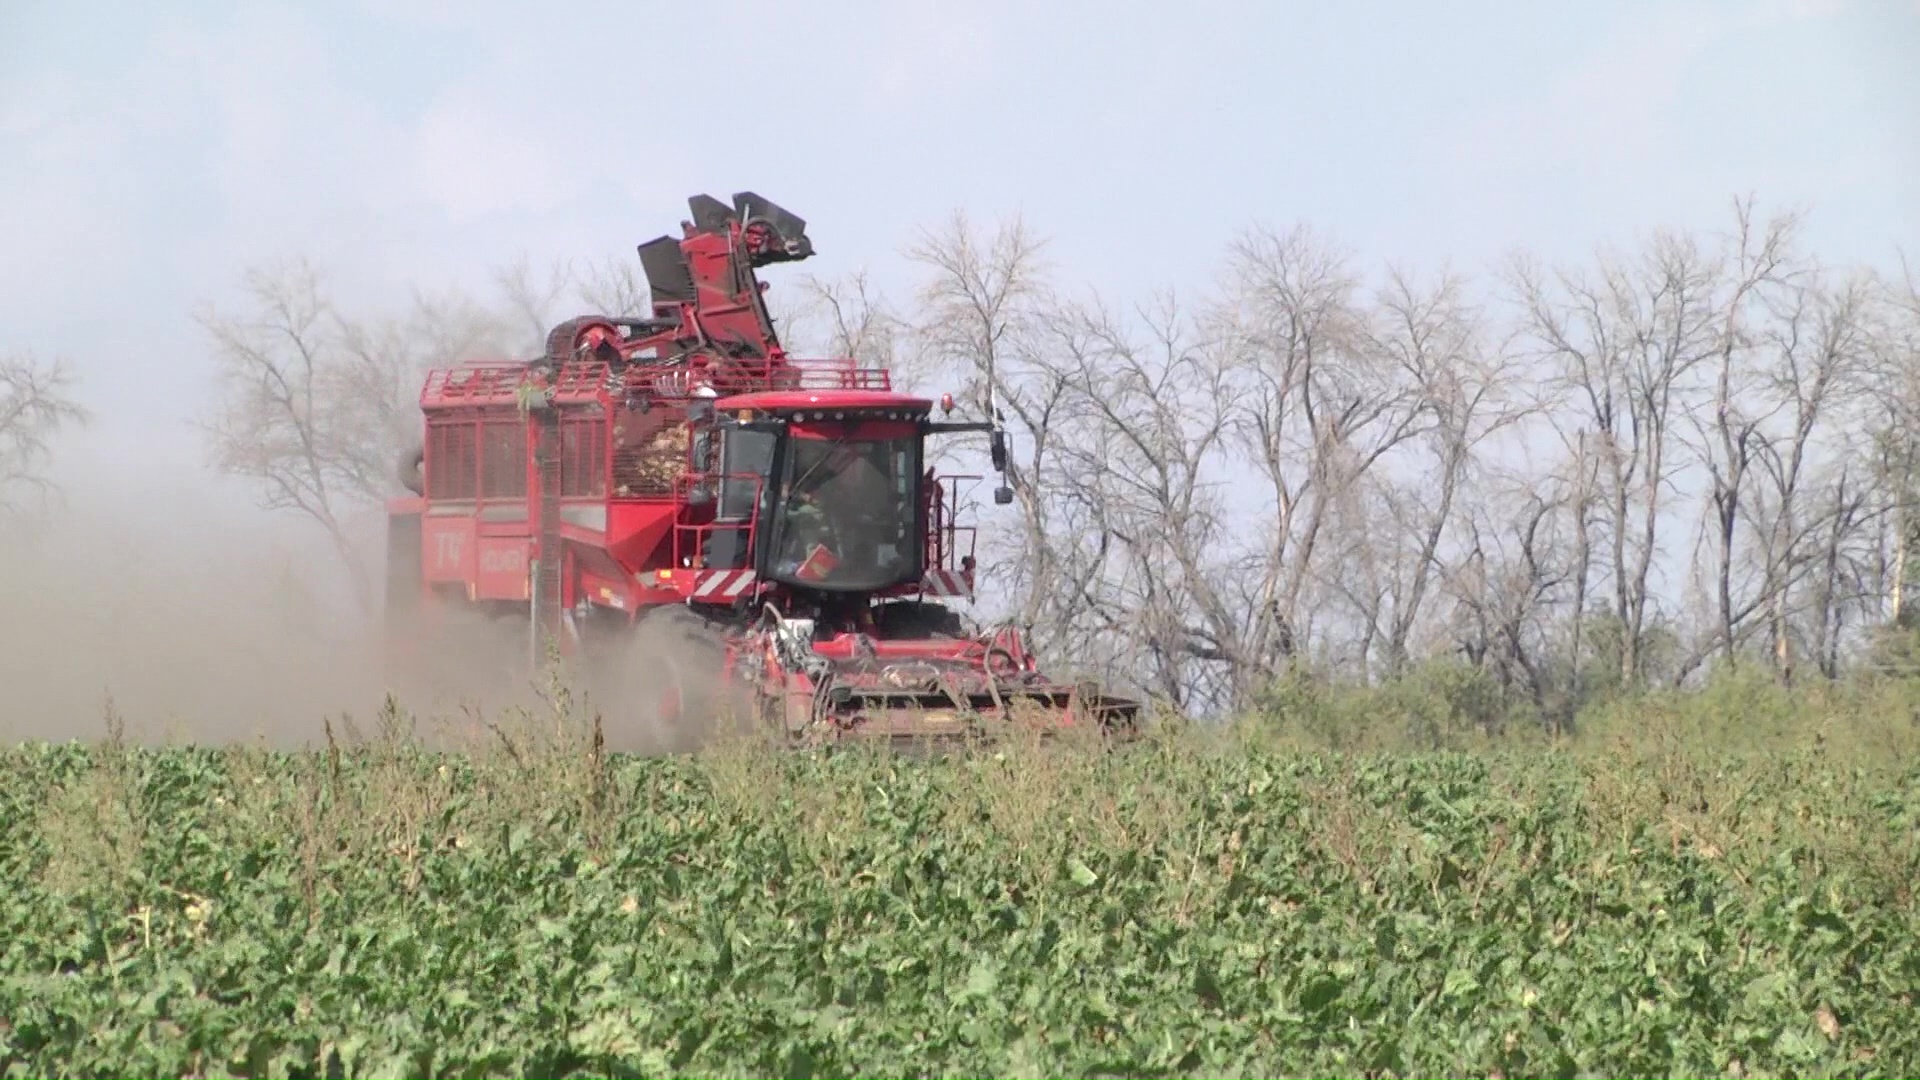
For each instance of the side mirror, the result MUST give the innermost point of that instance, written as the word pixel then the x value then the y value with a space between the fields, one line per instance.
pixel 999 452
pixel 1002 495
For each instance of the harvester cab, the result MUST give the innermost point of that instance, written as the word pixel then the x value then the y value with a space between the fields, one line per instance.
pixel 850 525
pixel 845 504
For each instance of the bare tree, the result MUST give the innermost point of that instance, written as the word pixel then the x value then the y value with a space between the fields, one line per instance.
pixel 1141 464
pixel 316 408
pixel 1716 375
pixel 36 403
pixel 1895 448
pixel 1464 388
pixel 1732 436
pixel 984 308
pixel 1506 584
pixel 1316 407
pixel 1819 352
pixel 860 324
pixel 529 297
pixel 279 413
pixel 1626 343
pixel 1844 585
pixel 1790 361
pixel 612 287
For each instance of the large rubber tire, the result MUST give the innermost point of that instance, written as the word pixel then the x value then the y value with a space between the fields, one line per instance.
pixel 659 689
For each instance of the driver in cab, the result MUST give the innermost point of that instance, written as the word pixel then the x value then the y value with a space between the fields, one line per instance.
pixel 825 506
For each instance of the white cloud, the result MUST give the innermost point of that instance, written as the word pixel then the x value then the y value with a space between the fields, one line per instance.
pixel 72 184
pixel 294 137
pixel 1604 117
pixel 469 161
pixel 928 48
pixel 438 13
pixel 1654 124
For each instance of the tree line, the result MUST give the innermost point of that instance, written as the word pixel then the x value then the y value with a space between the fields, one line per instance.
pixel 1695 454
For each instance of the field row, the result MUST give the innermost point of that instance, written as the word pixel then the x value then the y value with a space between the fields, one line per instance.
pixel 1173 910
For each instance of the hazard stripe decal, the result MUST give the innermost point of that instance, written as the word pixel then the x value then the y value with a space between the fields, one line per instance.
pixel 724 585
pixel 945 583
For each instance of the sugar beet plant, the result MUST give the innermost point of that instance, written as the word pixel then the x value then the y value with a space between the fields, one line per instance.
pixel 1203 907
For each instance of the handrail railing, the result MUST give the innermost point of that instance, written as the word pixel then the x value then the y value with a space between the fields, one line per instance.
pixel 578 381
pixel 944 531
pixel 691 540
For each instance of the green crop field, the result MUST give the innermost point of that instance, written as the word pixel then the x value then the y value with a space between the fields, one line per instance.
pixel 1199 905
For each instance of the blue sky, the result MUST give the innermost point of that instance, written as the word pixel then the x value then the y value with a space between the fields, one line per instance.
pixel 149 153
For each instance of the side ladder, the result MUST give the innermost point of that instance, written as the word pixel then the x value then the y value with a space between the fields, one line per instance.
pixel 544 590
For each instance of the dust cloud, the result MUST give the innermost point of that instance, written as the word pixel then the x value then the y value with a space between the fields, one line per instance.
pixel 197 617
pixel 200 618
pixel 658 689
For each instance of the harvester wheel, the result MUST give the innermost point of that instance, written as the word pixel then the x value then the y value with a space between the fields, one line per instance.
pixel 691 659
pixel 665 685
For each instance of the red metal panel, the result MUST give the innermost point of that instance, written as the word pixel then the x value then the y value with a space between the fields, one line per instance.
pixel 503 459
pixel 594 562
pixel 636 531
pixel 583 457
pixel 447 548
pixel 613 592
pixel 470 384
pixel 451 462
pixel 501 570
pixel 866 400
pixel 836 429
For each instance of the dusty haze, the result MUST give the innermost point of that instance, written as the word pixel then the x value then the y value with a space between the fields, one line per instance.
pixel 155 585
pixel 201 618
